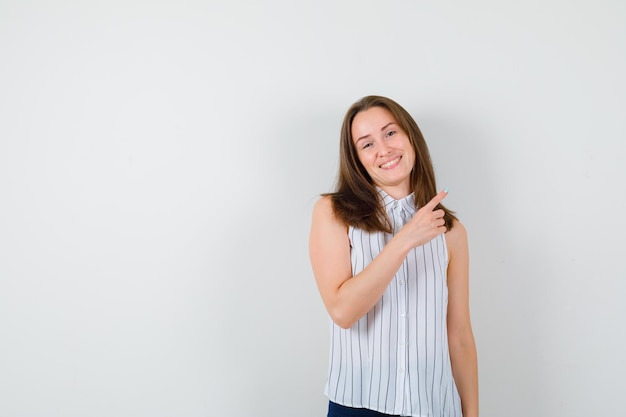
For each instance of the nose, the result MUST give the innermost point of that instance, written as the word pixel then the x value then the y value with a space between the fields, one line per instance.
pixel 383 150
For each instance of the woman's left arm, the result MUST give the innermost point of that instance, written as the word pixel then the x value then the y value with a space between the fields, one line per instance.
pixel 460 335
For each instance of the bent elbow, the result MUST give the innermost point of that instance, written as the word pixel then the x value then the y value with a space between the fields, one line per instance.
pixel 344 324
pixel 341 319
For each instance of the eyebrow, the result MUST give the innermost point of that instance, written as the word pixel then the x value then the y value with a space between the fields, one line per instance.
pixel 381 129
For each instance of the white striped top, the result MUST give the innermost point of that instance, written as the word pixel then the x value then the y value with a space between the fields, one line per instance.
pixel 395 359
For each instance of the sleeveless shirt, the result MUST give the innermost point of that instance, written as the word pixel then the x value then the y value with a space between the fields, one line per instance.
pixel 395 359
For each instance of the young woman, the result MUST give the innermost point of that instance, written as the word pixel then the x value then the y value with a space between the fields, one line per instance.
pixel 392 267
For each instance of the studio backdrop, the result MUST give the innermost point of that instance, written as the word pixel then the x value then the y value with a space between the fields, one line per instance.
pixel 159 161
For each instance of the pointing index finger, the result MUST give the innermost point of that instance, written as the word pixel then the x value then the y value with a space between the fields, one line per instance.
pixel 437 199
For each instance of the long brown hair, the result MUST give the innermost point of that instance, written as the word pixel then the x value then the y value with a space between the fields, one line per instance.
pixel 355 200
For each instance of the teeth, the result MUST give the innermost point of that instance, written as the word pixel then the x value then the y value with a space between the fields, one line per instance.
pixel 390 163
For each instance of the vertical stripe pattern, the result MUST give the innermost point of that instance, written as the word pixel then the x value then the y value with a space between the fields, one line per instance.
pixel 395 359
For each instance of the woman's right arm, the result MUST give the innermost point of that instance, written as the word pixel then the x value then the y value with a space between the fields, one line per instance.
pixel 348 298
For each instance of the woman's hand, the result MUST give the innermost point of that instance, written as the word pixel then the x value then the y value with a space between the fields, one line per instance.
pixel 426 224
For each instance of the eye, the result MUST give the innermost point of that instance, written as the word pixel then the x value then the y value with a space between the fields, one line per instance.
pixel 366 145
pixel 391 133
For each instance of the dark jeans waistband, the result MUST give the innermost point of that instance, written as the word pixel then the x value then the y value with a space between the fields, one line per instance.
pixel 338 410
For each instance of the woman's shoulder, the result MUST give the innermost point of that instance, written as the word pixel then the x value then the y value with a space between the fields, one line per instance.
pixel 456 237
pixel 324 205
pixel 324 209
pixel 325 222
pixel 457 230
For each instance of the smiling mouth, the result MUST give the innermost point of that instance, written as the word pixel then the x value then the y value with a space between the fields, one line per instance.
pixel 390 163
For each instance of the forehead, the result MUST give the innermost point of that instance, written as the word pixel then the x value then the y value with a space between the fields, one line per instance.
pixel 371 121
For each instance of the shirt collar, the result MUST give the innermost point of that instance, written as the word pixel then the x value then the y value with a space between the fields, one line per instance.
pixel 390 203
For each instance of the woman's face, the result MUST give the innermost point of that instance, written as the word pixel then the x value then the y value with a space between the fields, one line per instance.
pixel 384 150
